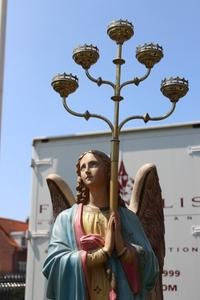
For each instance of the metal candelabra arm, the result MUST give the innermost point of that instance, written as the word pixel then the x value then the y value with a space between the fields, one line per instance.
pixel 136 80
pixel 164 116
pixel 87 115
pixel 147 117
pixel 99 81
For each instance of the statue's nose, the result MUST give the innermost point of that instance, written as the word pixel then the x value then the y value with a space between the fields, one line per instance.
pixel 87 169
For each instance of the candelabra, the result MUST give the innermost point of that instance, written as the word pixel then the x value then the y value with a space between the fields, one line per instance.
pixel 148 54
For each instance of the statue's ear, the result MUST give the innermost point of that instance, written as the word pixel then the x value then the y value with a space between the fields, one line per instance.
pixel 61 194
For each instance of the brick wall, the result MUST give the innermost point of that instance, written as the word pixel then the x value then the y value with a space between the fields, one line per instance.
pixel 10 251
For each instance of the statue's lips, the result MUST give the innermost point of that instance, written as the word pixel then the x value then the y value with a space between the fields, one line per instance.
pixel 89 178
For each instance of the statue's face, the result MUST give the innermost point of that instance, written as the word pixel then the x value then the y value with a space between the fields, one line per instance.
pixel 93 171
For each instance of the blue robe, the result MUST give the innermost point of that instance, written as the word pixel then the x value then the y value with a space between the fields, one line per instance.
pixel 63 266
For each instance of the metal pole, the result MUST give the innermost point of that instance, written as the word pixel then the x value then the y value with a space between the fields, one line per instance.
pixel 115 135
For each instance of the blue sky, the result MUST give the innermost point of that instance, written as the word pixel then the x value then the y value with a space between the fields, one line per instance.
pixel 40 38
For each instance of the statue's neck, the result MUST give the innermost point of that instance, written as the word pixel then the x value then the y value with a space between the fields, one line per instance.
pixel 99 197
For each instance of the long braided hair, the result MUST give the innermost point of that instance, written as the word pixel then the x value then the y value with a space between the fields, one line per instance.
pixel 82 195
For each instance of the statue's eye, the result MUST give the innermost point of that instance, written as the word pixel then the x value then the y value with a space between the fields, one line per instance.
pixel 94 164
pixel 82 167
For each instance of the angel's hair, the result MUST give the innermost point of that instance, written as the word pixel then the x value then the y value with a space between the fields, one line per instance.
pixel 82 195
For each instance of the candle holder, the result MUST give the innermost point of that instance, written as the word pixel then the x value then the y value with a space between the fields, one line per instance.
pixel 149 54
pixel 65 84
pixel 86 55
pixel 174 88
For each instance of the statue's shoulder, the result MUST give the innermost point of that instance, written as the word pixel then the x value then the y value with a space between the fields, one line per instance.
pixel 68 213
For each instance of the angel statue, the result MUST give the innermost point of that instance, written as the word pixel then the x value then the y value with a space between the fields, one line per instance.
pixel 95 254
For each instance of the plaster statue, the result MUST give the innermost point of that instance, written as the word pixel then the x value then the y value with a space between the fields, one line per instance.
pixel 95 254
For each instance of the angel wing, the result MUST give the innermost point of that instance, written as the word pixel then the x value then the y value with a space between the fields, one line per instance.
pixel 61 194
pixel 146 202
